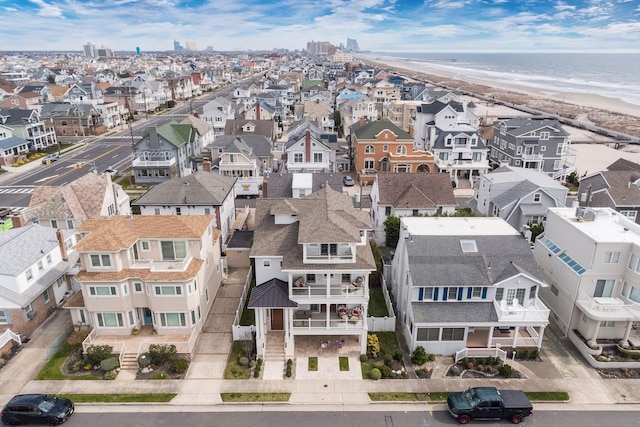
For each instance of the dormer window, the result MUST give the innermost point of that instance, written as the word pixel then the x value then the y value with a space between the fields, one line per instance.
pixel 468 246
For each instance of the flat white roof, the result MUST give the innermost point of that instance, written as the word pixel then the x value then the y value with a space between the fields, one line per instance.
pixel 302 180
pixel 463 226
pixel 608 225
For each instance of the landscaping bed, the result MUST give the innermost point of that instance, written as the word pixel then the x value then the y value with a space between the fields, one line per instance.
pixel 162 362
pixel 483 367
pixel 384 358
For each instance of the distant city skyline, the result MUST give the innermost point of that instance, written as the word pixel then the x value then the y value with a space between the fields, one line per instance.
pixel 377 25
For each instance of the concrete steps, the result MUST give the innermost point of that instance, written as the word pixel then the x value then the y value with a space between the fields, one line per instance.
pixel 129 362
pixel 275 346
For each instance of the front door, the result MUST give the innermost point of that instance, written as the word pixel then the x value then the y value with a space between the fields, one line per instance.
pixel 146 316
pixel 277 319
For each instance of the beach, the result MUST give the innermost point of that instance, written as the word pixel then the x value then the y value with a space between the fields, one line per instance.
pixel 592 109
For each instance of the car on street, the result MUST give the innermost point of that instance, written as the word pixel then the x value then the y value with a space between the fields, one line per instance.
pixel 111 171
pixel 348 181
pixel 36 409
pixel 50 158
pixel 5 212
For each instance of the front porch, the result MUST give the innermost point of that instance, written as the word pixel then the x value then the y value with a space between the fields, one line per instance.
pixel 327 345
pixel 516 337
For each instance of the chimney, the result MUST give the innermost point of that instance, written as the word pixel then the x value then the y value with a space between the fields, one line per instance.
pixel 307 146
pixel 265 193
pixel 206 165
pixel 258 111
pixel 362 121
pixel 63 248
pixel 153 137
pixel 18 220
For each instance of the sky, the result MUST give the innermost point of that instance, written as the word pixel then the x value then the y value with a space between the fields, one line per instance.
pixel 377 25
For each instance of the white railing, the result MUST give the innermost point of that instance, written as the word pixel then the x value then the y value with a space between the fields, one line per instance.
pixel 322 291
pixel 153 163
pixel 607 307
pixel 152 265
pixel 89 339
pixel 535 311
pixel 7 336
pixel 481 352
pixel 323 324
pixel 532 156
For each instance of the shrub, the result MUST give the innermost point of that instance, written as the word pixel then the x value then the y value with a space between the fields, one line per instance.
pixel 419 356
pixel 464 361
pixel 259 362
pixel 289 362
pixel 535 354
pixel 455 371
pixel 398 355
pixel 288 371
pixel 431 357
pixel 76 366
pixel 161 353
pixel 387 360
pixel 243 361
pixel 256 371
pixel 489 369
pixel 111 375
pixel 363 358
pixel 76 338
pixel 470 365
pixel 179 366
pixel 109 364
pixel 386 371
pixel 375 374
pixel 373 345
pixel 480 367
pixel 144 360
pixel 97 353
pixel 505 371
pixel 87 366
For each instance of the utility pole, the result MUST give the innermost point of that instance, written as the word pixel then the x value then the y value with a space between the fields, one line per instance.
pixel 131 130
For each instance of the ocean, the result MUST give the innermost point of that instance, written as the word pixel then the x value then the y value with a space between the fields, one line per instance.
pixel 615 75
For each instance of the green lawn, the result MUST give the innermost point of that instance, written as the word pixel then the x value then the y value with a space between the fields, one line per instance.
pixel 119 398
pixel 255 397
pixel 344 363
pixel 388 345
pixel 53 369
pixel 247 318
pixel 313 363
pixel 235 371
pixel 441 396
pixel 377 304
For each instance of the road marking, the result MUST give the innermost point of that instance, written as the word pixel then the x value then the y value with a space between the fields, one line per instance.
pixel 47 178
pixel 16 190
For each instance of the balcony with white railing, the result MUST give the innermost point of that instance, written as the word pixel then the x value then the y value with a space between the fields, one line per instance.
pixel 340 254
pixel 309 322
pixel 139 163
pixel 608 308
pixel 532 157
pixel 319 289
pixel 162 266
pixel 534 311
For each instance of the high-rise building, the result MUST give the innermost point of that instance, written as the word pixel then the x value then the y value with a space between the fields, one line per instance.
pixel 89 50
pixel 320 48
pixel 191 45
pixel 104 52
pixel 352 46
pixel 176 45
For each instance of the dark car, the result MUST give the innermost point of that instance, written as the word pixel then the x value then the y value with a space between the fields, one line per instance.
pixel 348 181
pixel 36 409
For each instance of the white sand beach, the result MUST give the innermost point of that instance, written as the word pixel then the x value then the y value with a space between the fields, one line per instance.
pixel 581 99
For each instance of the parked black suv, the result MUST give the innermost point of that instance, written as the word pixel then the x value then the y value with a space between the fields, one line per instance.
pixel 36 409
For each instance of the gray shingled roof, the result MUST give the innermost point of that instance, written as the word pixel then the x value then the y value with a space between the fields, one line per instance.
pixel 279 184
pixel 514 194
pixel 271 294
pixel 370 130
pixel 439 260
pixel 200 188
pixel 459 312
pixel 439 142
pixel 523 125
pixel 415 190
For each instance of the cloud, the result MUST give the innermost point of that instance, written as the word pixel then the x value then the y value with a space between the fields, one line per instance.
pixel 47 9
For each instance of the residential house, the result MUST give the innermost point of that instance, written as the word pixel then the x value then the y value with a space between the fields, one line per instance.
pixel 84 93
pixel 617 188
pixel 165 152
pixel 356 107
pixel 312 265
pixel 200 193
pixel 27 125
pixel 205 130
pixel 534 143
pixel 23 100
pixel 383 92
pixel 519 196
pixel 441 115
pixel 409 194
pixel 72 122
pixel 259 112
pixel 401 113
pixel 146 272
pixel 297 185
pixel 590 257
pixel 466 283
pixel 307 153
pixel 320 111
pixel 216 112
pixel 382 146
pixel 245 158
pixel 67 206
pixel 244 127
pixel 12 148
pixel 36 264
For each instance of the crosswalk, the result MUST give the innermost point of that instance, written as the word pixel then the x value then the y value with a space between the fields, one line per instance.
pixel 9 190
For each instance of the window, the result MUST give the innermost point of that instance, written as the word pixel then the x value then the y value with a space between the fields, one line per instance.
pixel 297 157
pixel 156 211
pixel 629 214
pixel 173 319
pixel 604 288
pixel 611 257
pixel 634 295
pixel 554 290
pixel 537 197
pixel 632 261
pixel 137 288
pixel 29 274
pixel 476 292
pixel 387 210
pixel 385 148
pixel 40 267
pixel 425 294
pixel 178 210
pixel 544 135
pixel 145 245
pixel 401 150
pixel 317 157
pixel 369 149
pixel 48 259
pixel 607 324
pixel 45 296
pixel 428 334
pixel 452 334
pixel 110 320
pixel 266 263
pixel 207 211
pixel 131 319
pixel 54 223
pixel 499 294
pixel 173 250
pixel 468 246
pixel 101 260
pixel 102 291
pixel 452 293
pixel 368 163
pixel 168 290
pixel 328 249
pixel 4 317
pixel 311 278
pixel 70 224
pixel 414 212
pixel 532 292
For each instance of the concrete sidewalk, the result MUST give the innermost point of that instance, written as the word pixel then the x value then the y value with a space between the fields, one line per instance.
pixel 560 370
